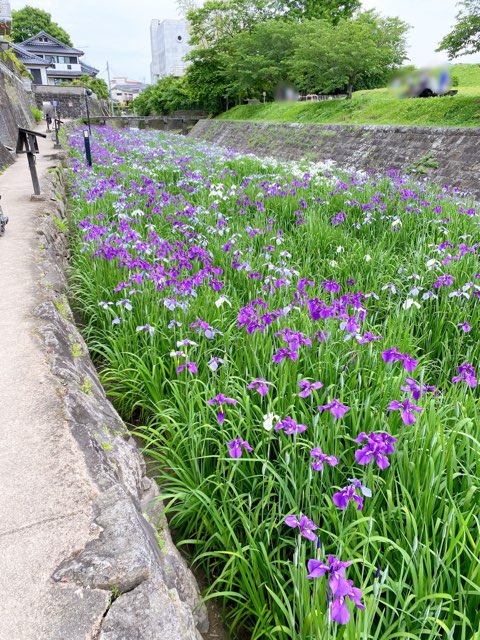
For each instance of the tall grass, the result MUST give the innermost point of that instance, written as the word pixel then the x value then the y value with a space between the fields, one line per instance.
pixel 149 205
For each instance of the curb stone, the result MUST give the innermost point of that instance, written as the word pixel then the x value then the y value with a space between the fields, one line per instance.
pixel 121 585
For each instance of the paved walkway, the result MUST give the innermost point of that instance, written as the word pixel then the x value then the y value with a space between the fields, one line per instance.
pixel 45 490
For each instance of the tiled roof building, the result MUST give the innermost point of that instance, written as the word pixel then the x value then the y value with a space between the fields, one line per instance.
pixel 50 61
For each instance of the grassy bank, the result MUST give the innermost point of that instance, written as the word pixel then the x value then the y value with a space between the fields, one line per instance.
pixel 301 347
pixel 379 106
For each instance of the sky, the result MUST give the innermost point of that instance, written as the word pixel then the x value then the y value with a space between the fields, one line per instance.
pixel 118 31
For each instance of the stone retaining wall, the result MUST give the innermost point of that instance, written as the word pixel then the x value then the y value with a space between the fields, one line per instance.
pixel 15 110
pixel 447 155
pixel 132 581
pixel 70 101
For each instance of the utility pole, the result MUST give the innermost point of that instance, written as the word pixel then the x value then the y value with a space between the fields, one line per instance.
pixel 110 90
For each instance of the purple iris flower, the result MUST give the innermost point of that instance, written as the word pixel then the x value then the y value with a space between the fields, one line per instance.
pixel 306 526
pixel 191 367
pixel 335 568
pixel 409 363
pixel 294 339
pixel 467 373
pixel 339 610
pixel 147 328
pixel 417 389
pixel 343 497
pixel 186 343
pixel 331 285
pixel 290 427
pixel 307 387
pixel 466 328
pixel 350 325
pixel 214 363
pixel 393 355
pixel 319 458
pixel 444 281
pixel 201 326
pixel 235 447
pixel 215 284
pixel 261 385
pixel 407 408
pixel 338 585
pixel 336 408
pixel 322 336
pixel 368 337
pixel 286 352
pixel 221 399
pixel 378 446
pixel 338 218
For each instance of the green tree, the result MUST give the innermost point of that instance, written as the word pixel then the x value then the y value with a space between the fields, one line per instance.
pixel 465 36
pixel 97 85
pixel 212 28
pixel 217 21
pixel 331 57
pixel 207 80
pixel 184 6
pixel 28 21
pixel 142 105
pixel 331 10
pixel 169 94
pixel 260 59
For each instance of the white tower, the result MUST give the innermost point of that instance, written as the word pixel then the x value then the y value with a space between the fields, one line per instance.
pixel 169 39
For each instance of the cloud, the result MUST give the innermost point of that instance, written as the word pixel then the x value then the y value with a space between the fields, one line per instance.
pixel 113 30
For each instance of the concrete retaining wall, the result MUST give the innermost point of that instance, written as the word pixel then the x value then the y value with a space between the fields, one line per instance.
pixel 453 152
pixel 181 124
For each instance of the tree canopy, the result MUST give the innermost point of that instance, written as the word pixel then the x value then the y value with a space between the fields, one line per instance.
pixel 169 94
pixel 217 21
pixel 465 36
pixel 97 85
pixel 242 48
pixel 331 10
pixel 334 57
pixel 259 60
pixel 28 21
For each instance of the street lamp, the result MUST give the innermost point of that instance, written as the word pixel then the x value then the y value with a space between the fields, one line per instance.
pixel 88 93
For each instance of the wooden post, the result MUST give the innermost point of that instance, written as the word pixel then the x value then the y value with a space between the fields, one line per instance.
pixel 27 143
pixel 33 172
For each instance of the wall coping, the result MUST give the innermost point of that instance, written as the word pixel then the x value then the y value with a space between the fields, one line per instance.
pixel 423 130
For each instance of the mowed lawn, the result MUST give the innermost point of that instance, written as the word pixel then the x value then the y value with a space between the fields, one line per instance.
pixel 379 106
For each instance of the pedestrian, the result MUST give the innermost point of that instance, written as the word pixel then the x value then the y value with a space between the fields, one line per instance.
pixel 48 118
pixel 3 221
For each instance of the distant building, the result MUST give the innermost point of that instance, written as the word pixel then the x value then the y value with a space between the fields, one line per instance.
pixel 169 40
pixel 125 90
pixel 5 18
pixel 50 61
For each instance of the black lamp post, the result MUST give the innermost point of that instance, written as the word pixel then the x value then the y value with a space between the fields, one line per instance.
pixel 88 92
